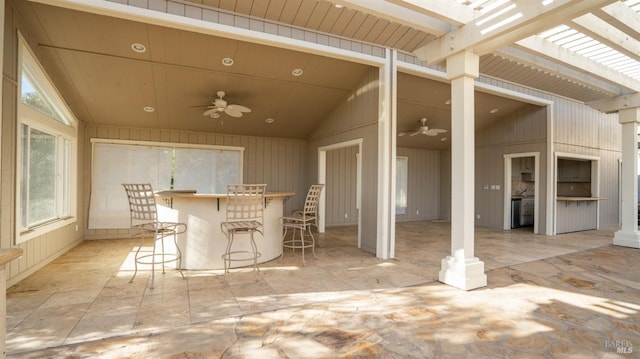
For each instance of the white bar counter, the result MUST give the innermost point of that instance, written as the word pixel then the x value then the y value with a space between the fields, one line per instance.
pixel 203 243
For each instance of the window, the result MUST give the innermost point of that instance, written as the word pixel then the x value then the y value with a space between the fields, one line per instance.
pixel 206 169
pixel 46 153
pixel 401 184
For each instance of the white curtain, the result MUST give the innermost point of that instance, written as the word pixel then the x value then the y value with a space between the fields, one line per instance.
pixel 206 170
pixel 115 164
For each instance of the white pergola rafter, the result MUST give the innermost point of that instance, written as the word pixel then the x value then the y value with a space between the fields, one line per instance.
pixel 551 51
pixel 534 59
pixel 526 18
pixel 602 31
pixel 622 17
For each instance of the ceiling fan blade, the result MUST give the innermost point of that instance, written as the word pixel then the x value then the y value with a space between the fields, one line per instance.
pixel 239 108
pixel 233 112
pixel 435 132
pixel 210 112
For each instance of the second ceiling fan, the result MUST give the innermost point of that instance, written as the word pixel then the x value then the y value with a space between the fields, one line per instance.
pixel 424 130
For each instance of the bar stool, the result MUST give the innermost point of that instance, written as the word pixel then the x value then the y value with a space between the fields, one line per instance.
pixel 144 224
pixel 301 221
pixel 245 215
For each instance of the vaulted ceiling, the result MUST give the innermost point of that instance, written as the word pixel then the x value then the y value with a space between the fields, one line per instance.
pixel 89 55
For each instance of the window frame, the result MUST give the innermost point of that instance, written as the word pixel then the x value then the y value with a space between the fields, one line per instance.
pixel 66 134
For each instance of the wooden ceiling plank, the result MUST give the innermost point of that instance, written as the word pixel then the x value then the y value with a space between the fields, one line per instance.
pixel 446 10
pixel 303 16
pixel 384 9
pixel 323 17
pixel 289 10
pixel 274 9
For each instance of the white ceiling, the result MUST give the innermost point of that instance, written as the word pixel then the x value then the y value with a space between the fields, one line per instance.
pixel 106 83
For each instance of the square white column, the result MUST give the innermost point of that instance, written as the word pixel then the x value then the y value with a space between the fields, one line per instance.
pixel 461 269
pixel 628 235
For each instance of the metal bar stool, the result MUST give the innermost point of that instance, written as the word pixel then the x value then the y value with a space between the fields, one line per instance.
pixel 301 221
pixel 245 215
pixel 144 224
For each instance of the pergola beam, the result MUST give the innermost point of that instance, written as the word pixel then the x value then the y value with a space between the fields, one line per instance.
pixel 612 105
pixel 517 21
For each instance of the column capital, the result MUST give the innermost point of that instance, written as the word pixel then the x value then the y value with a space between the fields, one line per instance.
pixel 629 115
pixel 616 104
pixel 463 64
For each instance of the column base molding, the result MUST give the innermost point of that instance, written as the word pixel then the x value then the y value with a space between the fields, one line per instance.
pixel 627 239
pixel 467 275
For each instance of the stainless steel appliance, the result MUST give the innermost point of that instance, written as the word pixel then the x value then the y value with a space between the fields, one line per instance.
pixel 526 211
pixel 515 212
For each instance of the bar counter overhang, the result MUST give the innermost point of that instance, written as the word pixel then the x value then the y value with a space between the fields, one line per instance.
pixel 203 243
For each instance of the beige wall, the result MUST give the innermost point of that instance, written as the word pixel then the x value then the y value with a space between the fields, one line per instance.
pixel 38 251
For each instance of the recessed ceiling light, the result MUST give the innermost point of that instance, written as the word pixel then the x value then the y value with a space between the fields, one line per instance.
pixel 269 120
pixel 297 72
pixel 227 61
pixel 139 48
pixel 149 109
pixel 494 110
pixel 338 6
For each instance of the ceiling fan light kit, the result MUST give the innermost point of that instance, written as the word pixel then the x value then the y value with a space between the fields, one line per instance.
pixel 219 106
pixel 424 130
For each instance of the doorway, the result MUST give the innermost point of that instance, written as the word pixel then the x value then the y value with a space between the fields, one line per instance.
pixel 521 191
pixel 353 147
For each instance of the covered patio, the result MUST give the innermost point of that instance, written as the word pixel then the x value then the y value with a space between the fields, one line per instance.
pixel 570 295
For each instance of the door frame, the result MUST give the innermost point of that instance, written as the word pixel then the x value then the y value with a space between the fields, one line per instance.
pixel 322 178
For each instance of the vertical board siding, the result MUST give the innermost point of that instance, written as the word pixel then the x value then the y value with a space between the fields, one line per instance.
pixel 340 189
pixel 423 184
pixel 276 162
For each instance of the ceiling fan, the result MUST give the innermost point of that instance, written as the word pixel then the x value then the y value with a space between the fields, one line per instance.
pixel 219 105
pixel 424 130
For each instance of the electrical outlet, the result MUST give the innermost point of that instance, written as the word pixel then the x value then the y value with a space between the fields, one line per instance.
pixel 346 215
pixel 477 216
pixel 417 213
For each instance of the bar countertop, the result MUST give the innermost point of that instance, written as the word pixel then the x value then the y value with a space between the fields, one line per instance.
pixel 194 194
